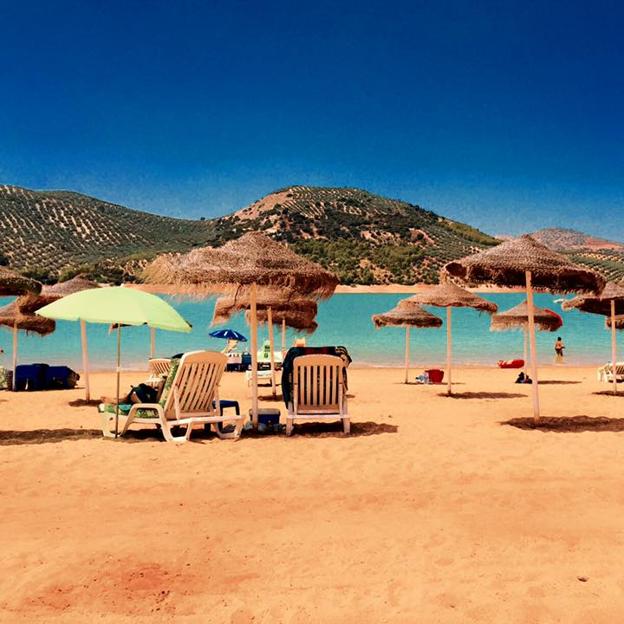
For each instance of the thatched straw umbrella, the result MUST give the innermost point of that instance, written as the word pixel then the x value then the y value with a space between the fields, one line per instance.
pixel 273 309
pixel 609 303
pixel 11 316
pixel 448 295
pixel 241 266
pixel 12 283
pixel 619 322
pixel 29 304
pixel 526 263
pixel 518 318
pixel 406 315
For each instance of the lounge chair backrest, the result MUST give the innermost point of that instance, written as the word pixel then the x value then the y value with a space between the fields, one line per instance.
pixel 318 383
pixel 159 367
pixel 196 383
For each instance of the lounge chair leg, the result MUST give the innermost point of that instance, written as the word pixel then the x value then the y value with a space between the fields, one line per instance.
pixel 169 437
pixel 232 435
pixel 346 425
pixel 106 422
pixel 289 426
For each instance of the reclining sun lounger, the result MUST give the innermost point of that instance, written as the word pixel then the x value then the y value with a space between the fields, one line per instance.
pixel 318 391
pixel 605 373
pixel 190 397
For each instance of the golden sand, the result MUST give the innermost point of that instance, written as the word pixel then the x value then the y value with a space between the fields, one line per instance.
pixel 433 510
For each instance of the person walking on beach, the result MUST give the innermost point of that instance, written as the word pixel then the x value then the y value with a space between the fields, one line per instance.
pixel 559 347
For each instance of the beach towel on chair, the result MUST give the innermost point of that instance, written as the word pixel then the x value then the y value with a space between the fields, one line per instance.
pixel 125 407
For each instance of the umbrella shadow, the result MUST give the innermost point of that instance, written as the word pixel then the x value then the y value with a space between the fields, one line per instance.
pixel 334 429
pixel 568 424
pixel 46 436
pixel 307 430
pixel 84 403
pixel 557 382
pixel 484 395
pixel 609 393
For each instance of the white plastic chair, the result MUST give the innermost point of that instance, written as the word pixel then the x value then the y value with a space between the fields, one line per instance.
pixel 192 399
pixel 318 391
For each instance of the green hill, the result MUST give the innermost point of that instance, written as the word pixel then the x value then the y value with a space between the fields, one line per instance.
pixel 364 238
pixel 51 234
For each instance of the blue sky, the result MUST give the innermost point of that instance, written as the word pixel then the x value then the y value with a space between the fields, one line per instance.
pixel 505 115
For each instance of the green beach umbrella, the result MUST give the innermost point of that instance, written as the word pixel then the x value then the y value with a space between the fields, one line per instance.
pixel 116 306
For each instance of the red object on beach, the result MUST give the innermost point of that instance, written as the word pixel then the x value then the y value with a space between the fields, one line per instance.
pixel 510 363
pixel 435 375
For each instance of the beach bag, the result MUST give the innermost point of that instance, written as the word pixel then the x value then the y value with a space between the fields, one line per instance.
pixel 143 394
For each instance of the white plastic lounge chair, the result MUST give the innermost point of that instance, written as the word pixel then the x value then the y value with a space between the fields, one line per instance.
pixel 605 373
pixel 318 391
pixel 190 398
pixel 158 371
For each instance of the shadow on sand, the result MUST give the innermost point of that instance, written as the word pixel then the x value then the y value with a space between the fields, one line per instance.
pixel 84 403
pixel 484 395
pixel 609 393
pixel 46 436
pixel 557 382
pixel 572 424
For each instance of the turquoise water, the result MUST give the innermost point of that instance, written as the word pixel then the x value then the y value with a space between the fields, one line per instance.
pixel 344 319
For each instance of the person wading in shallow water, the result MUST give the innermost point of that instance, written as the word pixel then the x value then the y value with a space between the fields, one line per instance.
pixel 559 347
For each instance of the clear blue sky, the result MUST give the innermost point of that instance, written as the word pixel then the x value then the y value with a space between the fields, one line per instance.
pixel 506 115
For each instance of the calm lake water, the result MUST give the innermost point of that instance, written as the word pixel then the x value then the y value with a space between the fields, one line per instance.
pixel 345 319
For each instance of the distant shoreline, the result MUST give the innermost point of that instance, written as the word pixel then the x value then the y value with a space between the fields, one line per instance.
pixel 398 289
pixel 342 289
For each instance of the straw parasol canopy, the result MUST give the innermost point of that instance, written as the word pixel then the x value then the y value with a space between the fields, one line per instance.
pixel 251 259
pixel 12 316
pixel 12 283
pixel 403 315
pixel 449 295
pixel 609 303
pixel 406 315
pixel 518 318
pixel 619 322
pixel 525 262
pixel 29 304
pixel 296 313
pixel 241 266
pixel 507 264
pixel 599 304
pixel 32 302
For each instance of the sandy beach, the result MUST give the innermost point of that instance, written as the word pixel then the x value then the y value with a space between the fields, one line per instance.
pixel 433 510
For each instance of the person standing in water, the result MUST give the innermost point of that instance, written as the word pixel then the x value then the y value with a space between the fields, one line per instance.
pixel 559 347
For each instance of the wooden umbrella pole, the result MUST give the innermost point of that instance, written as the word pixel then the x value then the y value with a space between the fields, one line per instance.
pixel 254 356
pixel 526 349
pixel 14 381
pixel 152 342
pixel 118 378
pixel 449 349
pixel 407 353
pixel 532 346
pixel 85 358
pixel 272 347
pixel 613 346
pixel 283 337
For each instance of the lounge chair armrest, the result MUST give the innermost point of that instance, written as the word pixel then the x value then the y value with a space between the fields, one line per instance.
pixel 147 406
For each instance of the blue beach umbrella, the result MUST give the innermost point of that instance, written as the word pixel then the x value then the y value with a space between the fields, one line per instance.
pixel 228 334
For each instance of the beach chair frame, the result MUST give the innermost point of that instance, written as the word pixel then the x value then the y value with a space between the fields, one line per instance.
pixel 318 391
pixel 193 400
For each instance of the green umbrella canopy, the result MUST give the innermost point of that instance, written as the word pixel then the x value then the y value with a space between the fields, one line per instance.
pixel 116 305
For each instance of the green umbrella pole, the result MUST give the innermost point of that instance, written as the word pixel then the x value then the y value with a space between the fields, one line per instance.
pixel 118 378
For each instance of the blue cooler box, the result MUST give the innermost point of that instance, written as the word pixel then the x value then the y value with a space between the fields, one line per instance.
pixel 30 377
pixel 60 377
